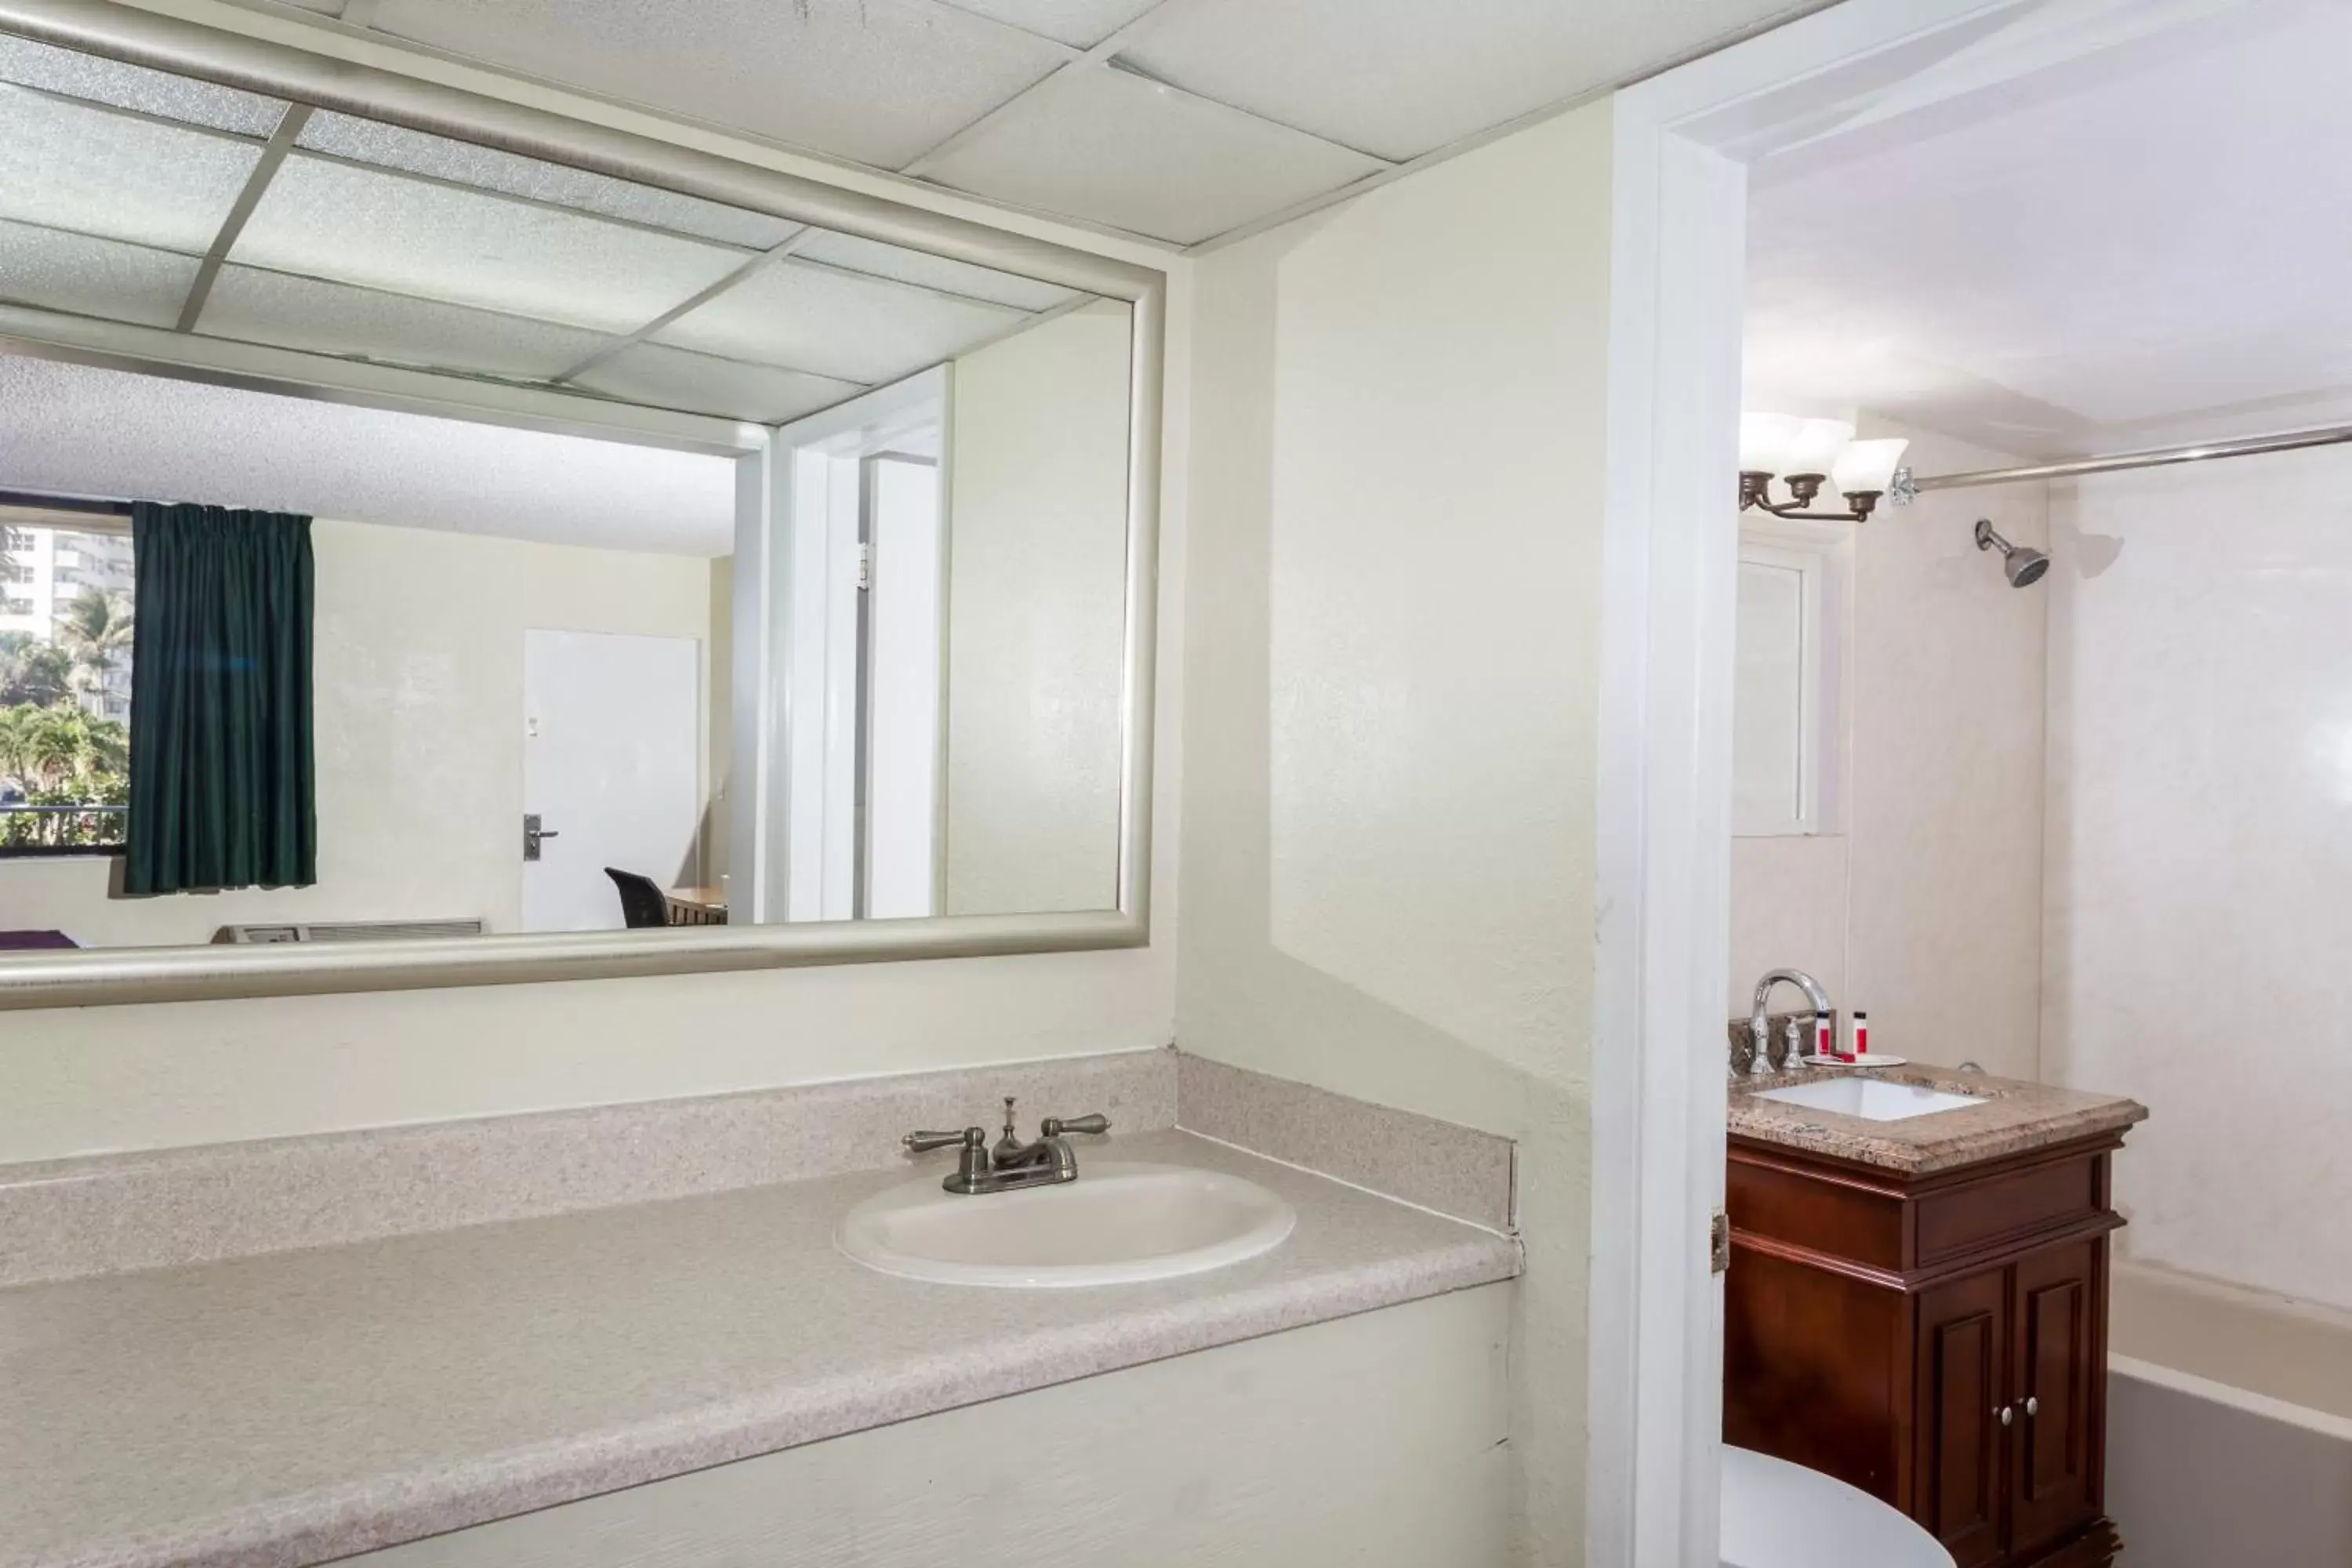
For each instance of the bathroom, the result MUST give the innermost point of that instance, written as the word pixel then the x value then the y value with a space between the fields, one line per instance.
pixel 2040 767
pixel 1316 1158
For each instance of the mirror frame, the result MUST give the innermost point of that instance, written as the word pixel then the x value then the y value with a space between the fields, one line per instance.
pixel 102 975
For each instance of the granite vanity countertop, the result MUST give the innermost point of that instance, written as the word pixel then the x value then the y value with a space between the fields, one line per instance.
pixel 2016 1118
pixel 293 1407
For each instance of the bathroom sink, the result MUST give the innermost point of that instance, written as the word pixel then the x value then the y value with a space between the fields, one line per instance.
pixel 1871 1098
pixel 1118 1224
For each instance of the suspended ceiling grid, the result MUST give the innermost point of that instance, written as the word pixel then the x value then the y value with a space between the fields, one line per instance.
pixel 134 195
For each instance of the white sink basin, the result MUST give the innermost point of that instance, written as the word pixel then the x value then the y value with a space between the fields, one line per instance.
pixel 1115 1224
pixel 1871 1098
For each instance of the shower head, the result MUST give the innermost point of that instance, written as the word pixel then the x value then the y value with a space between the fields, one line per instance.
pixel 2024 566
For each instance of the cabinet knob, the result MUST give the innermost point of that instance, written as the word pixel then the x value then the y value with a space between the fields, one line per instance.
pixel 2008 1412
pixel 2032 1405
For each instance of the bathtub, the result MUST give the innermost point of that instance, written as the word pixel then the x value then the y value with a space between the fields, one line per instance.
pixel 2229 1425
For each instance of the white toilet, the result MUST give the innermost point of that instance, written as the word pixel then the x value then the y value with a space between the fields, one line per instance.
pixel 1780 1515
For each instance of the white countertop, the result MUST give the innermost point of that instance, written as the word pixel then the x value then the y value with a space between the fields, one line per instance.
pixel 293 1407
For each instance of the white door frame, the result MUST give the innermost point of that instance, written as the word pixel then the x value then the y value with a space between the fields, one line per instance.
pixel 1670 543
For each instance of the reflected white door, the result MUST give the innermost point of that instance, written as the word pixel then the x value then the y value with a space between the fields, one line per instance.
pixel 612 768
pixel 902 696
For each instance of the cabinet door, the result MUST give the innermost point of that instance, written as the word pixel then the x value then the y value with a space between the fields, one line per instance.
pixel 1961 1378
pixel 2055 1445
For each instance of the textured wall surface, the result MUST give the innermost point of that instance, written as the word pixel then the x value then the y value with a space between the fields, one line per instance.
pixel 1389 806
pixel 1037 566
pixel 2199 850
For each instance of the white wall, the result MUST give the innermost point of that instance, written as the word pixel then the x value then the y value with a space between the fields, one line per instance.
pixel 1389 816
pixel 1036 619
pixel 2200 893
pixel 1924 908
pixel 417 692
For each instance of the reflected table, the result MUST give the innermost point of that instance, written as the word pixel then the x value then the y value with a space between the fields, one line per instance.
pixel 697 906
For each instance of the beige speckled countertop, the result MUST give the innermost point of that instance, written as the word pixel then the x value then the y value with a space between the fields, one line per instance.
pixel 293 1407
pixel 2016 1118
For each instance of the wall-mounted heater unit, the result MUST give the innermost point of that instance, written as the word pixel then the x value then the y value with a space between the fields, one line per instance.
pixel 349 930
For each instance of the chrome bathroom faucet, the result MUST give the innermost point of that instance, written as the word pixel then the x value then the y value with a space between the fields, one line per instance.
pixel 1011 1163
pixel 1760 1022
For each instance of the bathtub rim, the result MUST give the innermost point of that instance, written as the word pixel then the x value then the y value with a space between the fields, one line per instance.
pixel 2321 1422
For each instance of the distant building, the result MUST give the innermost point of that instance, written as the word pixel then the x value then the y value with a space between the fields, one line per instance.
pixel 43 571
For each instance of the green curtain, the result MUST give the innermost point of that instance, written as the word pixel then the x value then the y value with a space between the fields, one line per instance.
pixel 222 777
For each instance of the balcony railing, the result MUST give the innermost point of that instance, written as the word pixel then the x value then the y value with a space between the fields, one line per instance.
pixel 85 825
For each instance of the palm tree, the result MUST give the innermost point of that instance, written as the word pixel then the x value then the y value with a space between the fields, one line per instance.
pixel 95 631
pixel 32 671
pixel 48 747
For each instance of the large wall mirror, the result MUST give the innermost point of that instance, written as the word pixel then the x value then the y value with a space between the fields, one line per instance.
pixel 445 542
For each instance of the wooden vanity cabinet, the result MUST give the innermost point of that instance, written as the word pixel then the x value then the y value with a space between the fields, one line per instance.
pixel 1939 1340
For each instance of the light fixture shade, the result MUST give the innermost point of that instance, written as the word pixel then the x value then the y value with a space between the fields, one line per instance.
pixel 1818 444
pixel 1868 467
pixel 1765 440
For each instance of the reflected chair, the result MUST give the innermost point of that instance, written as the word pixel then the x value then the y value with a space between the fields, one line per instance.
pixel 643 903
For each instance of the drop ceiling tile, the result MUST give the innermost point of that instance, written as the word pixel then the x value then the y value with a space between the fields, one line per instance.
pixel 881 81
pixel 325 219
pixel 278 308
pixel 1114 148
pixel 103 80
pixel 704 383
pixel 487 168
pixel 105 277
pixel 67 165
pixel 1081 24
pixel 839 325
pixel 1401 77
pixel 854 254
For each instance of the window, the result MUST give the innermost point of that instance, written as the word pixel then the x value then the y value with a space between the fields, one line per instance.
pixel 1786 701
pixel 65 694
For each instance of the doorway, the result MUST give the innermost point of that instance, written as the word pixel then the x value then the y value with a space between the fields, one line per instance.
pixel 1682 145
pixel 612 735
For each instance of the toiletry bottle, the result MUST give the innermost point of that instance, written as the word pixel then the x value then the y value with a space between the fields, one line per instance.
pixel 1858 1041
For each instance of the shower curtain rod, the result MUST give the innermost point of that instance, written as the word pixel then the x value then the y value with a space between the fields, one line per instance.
pixel 1906 486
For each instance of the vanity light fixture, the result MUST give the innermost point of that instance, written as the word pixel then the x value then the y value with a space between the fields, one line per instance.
pixel 1806 454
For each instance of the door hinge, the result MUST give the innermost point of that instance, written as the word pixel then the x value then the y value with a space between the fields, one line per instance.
pixel 1718 1243
pixel 865 567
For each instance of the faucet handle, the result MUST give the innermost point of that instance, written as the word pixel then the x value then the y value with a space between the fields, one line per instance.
pixel 924 1142
pixel 1055 1126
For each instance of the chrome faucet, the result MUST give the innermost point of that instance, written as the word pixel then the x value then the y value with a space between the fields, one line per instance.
pixel 1776 1054
pixel 1012 1163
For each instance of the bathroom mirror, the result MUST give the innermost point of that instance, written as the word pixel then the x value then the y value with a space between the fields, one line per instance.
pixel 448 543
